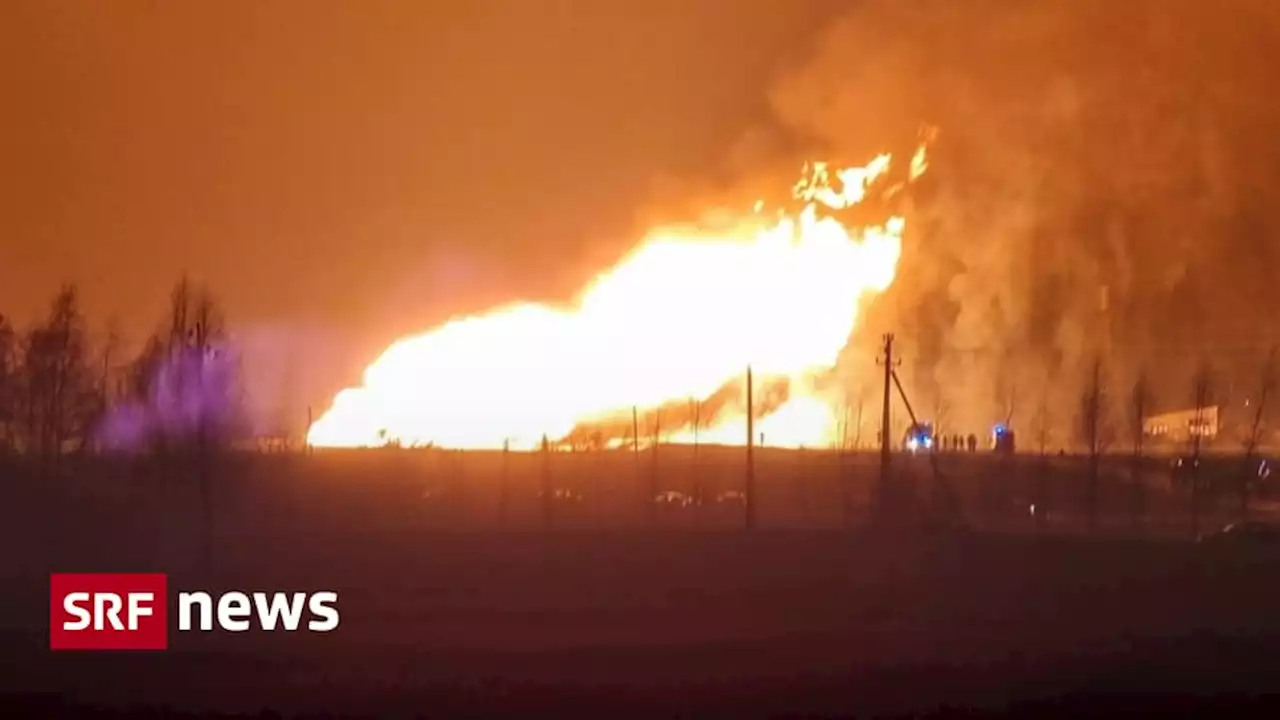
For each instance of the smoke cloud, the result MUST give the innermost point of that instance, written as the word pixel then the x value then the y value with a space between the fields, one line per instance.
pixel 1101 185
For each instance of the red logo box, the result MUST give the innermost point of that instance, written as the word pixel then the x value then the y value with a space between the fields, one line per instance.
pixel 108 611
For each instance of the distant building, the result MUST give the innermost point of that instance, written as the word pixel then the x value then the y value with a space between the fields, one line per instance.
pixel 1182 425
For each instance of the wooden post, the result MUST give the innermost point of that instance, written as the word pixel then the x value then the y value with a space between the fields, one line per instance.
pixel 750 485
pixel 653 467
pixel 547 498
pixel 885 498
pixel 842 474
pixel 502 482
pixel 697 471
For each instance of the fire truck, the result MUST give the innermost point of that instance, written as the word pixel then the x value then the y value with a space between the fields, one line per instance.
pixel 919 437
pixel 1002 439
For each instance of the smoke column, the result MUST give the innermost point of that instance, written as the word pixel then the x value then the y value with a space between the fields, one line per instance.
pixel 1101 184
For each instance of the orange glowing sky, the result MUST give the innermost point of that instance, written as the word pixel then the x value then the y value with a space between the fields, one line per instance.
pixel 344 173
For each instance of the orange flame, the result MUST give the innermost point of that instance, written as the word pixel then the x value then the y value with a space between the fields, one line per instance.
pixel 680 317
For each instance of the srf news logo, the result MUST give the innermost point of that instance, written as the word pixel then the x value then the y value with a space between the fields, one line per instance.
pixel 130 611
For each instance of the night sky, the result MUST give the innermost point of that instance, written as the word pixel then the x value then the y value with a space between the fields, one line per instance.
pixel 341 173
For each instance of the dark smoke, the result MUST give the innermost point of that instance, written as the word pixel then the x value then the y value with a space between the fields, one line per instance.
pixel 1102 184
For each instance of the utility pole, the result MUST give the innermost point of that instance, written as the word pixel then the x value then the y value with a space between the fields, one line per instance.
pixel 750 500
pixel 942 497
pixel 503 484
pixel 547 498
pixel 697 423
pixel 653 468
pixel 883 491
pixel 635 433
pixel 857 434
pixel 635 452
pixel 697 470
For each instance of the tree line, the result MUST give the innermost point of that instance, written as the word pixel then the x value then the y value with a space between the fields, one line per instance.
pixel 62 394
pixel 1099 431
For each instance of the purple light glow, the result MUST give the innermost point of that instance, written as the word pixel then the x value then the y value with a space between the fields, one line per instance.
pixel 189 388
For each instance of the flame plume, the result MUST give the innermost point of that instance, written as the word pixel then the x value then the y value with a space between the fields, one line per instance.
pixel 680 318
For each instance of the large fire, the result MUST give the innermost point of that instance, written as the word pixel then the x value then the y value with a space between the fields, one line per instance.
pixel 676 322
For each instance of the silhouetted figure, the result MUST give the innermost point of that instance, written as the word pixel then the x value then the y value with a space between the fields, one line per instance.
pixel 973 443
pixel 957 442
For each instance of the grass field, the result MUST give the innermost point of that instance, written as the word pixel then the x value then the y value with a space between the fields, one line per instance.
pixel 450 604
pixel 611 490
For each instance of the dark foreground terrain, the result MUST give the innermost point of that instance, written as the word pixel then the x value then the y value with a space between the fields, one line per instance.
pixel 625 622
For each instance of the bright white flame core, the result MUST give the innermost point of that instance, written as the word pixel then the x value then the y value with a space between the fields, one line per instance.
pixel 679 318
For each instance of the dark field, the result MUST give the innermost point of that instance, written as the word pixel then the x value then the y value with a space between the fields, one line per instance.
pixel 450 605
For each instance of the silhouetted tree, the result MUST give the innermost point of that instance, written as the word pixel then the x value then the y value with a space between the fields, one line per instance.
pixel 9 381
pixel 186 381
pixel 204 383
pixel 696 415
pixel 1254 435
pixel 1139 402
pixel 57 381
pixel 106 386
pixel 1039 487
pixel 140 371
pixel 1095 432
pixel 941 417
pixel 1201 393
pixel 184 401
pixel 1008 400
pixel 1008 405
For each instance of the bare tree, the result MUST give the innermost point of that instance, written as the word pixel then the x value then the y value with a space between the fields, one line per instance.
pixel 1139 405
pixel 857 434
pixel 1096 434
pixel 186 382
pixel 1256 428
pixel 548 497
pixel 1201 393
pixel 58 382
pixel 1039 487
pixel 941 416
pixel 696 405
pixel 995 487
pixel 1008 401
pixel 213 392
pixel 191 375
pixel 1042 424
pixel 141 372
pixel 9 380
pixel 181 299
pixel 105 384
